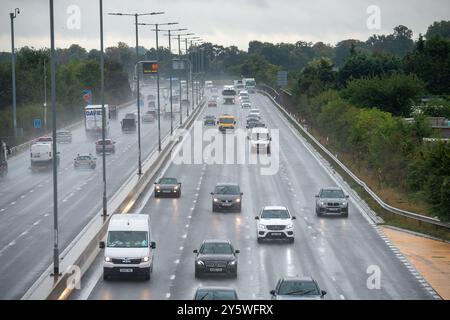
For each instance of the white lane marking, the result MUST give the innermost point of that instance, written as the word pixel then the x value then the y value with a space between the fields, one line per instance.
pixel 187 226
pixel 40 185
pixel 184 236
pixel 31 191
pixel 172 277
pixel 196 194
pixel 342 297
pixel 167 295
pixel 13 203
pixel 23 233
pixel 37 222
pixel 189 217
pixel 22 196
pixel 333 278
pixel 249 261
pixel 1 210
pixel 195 201
pixel 177 261
pixel 46 215
pixel 11 243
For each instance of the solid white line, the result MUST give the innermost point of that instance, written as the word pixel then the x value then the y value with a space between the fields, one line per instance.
pixel 22 196
pixel 342 297
pixel 167 295
pixel 172 277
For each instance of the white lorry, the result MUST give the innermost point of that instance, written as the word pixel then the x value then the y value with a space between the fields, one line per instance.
pixel 41 156
pixel 93 120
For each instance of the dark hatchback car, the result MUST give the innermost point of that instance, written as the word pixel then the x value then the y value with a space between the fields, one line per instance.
pixel 216 257
pixel 215 293
pixel 167 187
pixel 297 288
pixel 332 201
pixel 227 196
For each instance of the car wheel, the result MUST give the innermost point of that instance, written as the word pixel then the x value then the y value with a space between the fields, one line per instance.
pixel 179 194
pixel 291 240
pixel 147 275
pixel 260 240
pixel 345 215
pixel 268 150
pixel 197 274
pixel 213 209
pixel 156 194
pixel 105 275
pixel 318 213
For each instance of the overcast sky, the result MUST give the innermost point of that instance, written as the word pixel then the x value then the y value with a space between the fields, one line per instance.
pixel 225 22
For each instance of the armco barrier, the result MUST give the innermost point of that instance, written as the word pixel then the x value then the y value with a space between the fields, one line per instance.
pixel 26 146
pixel 84 248
pixel 411 215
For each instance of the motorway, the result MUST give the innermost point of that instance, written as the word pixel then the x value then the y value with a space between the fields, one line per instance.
pixel 26 198
pixel 337 252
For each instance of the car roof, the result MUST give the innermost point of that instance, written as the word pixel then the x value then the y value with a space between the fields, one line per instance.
pixel 84 155
pixel 227 184
pixel 274 208
pixel 260 130
pixel 168 178
pixel 216 241
pixel 218 288
pixel 298 278
pixel 331 188
pixel 128 222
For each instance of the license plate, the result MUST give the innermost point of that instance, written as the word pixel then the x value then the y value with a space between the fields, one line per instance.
pixel 333 209
pixel 166 191
pixel 276 233
pixel 226 204
pixel 215 269
pixel 126 270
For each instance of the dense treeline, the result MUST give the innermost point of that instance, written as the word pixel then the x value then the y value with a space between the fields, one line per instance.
pixel 360 108
pixel 77 70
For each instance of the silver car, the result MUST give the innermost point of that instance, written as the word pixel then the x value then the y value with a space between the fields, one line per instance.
pixel 297 288
pixel 332 201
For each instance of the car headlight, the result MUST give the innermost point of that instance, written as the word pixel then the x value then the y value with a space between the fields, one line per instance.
pixel 145 259
pixel 157 187
pixel 176 187
pixel 200 263
pixel 107 259
pixel 344 203
pixel 232 263
pixel 290 226
pixel 261 226
pixel 322 203
pixel 238 200
pixel 215 199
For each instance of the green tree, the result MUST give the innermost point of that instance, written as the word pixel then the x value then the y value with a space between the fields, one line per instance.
pixel 441 28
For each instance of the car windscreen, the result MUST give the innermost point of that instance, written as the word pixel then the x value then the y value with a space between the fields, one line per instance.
pixel 260 136
pixel 216 248
pixel 228 92
pixel 84 158
pixel 226 189
pixel 275 214
pixel 127 239
pixel 226 120
pixel 168 181
pixel 331 194
pixel 299 288
pixel 215 295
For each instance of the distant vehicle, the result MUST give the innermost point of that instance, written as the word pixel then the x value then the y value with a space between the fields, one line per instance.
pixel 93 120
pixel 64 136
pixel 208 84
pixel 151 105
pixel 45 139
pixel 215 293
pixel 253 123
pixel 41 156
pixel 297 288
pixel 252 117
pixel 169 187
pixel 255 111
pixel 209 121
pixel 85 160
pixel 212 102
pixel 147 117
pixel 275 222
pixel 244 95
pixel 227 196
pixel 113 112
pixel 129 122
pixel 129 246
pixel 109 146
pixel 260 140
pixel 216 257
pixel 239 85
pixel 250 85
pixel 246 105
pixel 226 122
pixel 229 94
pixel 4 152
pixel 332 200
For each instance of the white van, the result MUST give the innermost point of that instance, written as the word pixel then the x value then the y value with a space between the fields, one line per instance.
pixel 128 247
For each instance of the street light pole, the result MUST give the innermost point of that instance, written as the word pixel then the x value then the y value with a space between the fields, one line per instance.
pixel 102 98
pixel 45 96
pixel 170 85
pixel 157 90
pixel 12 16
pixel 136 15
pixel 56 272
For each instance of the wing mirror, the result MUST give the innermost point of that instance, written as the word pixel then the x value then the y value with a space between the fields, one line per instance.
pixel 294 217
pixel 347 196
pixel 273 292
pixel 242 193
pixel 323 292
pixel 316 195
pixel 153 245
pixel 212 193
pixel 257 218
pixel 195 251
pixel 237 251
pixel 101 244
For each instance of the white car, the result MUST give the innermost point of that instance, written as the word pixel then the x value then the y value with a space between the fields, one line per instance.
pixel 275 222
pixel 255 111
pixel 128 247
pixel 260 139
pixel 246 105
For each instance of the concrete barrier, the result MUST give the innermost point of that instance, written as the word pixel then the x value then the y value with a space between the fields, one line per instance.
pixel 82 251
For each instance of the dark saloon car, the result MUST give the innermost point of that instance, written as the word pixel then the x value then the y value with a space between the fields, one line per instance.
pixel 227 196
pixel 332 201
pixel 167 187
pixel 216 257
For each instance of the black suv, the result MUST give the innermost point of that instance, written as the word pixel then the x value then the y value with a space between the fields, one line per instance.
pixel 333 201
pixel 216 257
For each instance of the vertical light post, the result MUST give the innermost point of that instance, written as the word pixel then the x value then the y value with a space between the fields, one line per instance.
pixel 170 75
pixel 187 87
pixel 157 75
pixel 45 96
pixel 102 98
pixel 12 16
pixel 56 272
pixel 136 16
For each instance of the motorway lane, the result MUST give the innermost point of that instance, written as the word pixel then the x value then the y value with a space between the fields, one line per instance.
pixel 26 198
pixel 336 252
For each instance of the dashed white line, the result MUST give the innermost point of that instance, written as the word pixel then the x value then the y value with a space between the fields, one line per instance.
pixel 187 226
pixel 177 261
pixel 1 210
pixel 342 297
pixel 13 203
pixel 181 248
pixel 167 295
pixel 184 236
pixel 31 191
pixel 36 223
pixel 172 277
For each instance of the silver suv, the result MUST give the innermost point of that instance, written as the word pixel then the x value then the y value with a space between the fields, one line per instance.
pixel 333 201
